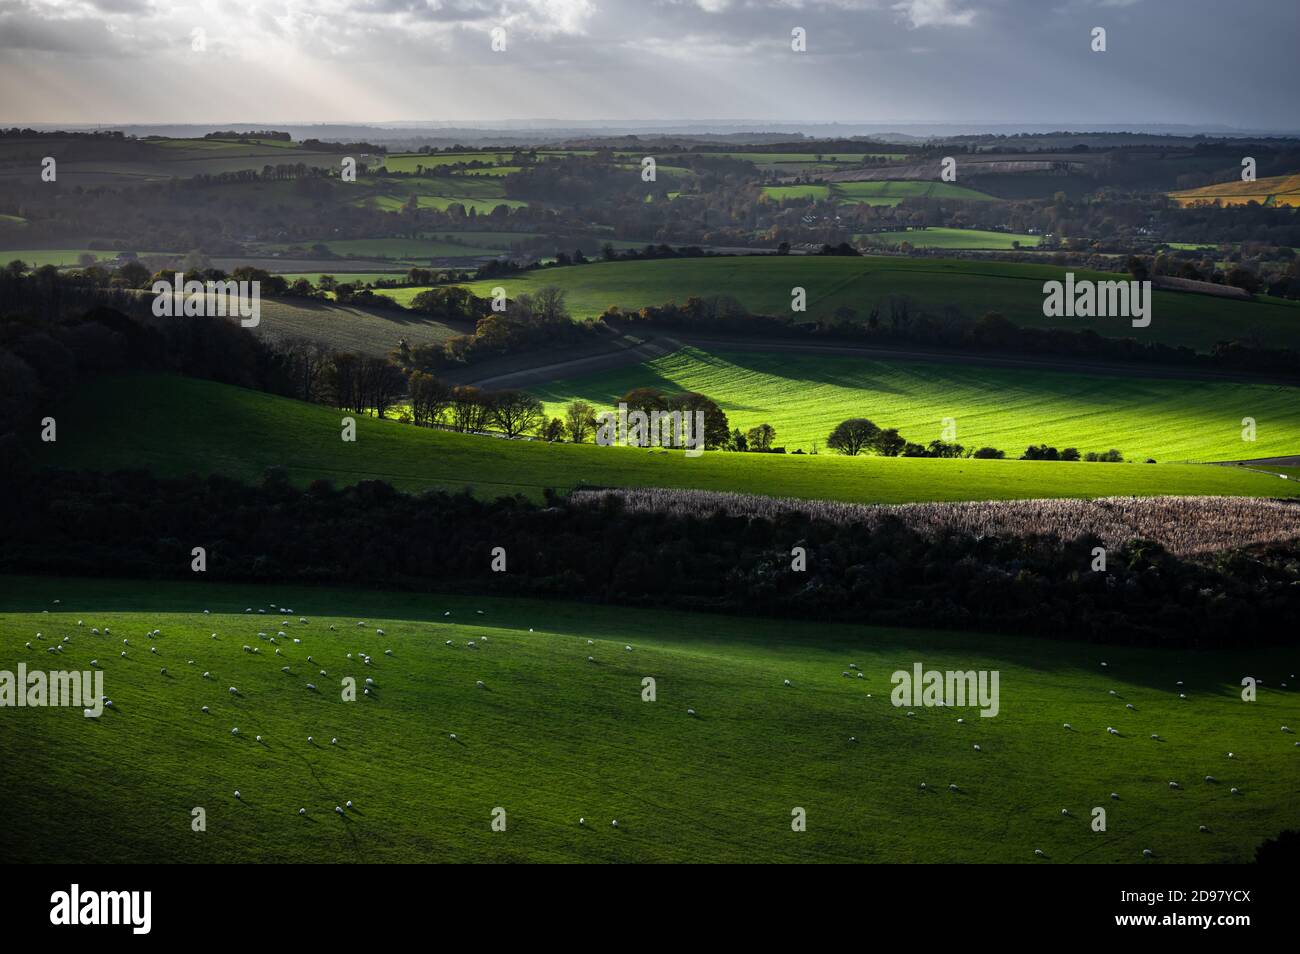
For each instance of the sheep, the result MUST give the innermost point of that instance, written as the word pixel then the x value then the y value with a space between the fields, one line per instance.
pixel 453 736
pixel 278 652
pixel 94 630
pixel 164 670
pixel 1104 664
pixel 1182 695
pixel 591 642
pixel 479 683
pixel 311 686
pixel 787 682
pixel 470 644
pixel 1114 796
pixel 284 669
pixel 302 811
pixel 853 738
pixel 977 748
pixel 282 635
pixel 1210 779
pixel 853 665
pixel 1114 693
pixel 29 645
pixel 1155 736
pixel 257 738
pixel 1066 726
pixel 911 714
pixel 324 673
pixel 310 660
pixel 614 823
pixel 1174 785
pixel 1065 812
pixel 123 654
pixel 297 642
pixel 349 655
pixel 961 721
pixel 845 674
pixel 446 614
pixel 1235 791
pixel 1038 852
pixel 1146 852
pixel 582 821
pixel 302 619
pixel 1231 755
pixel 1112 730
pixel 923 785
pixel 379 632
pixel 93 662
pixel 349 803
pixel 369 681
pixel 1128 705
pixel 310 741
pixel 388 652
pixel 80 623
pixel 361 623
pixel 125 642
pixel 236 793
pixel 234 691
pixel 235 731
pixel 952 787
pixel 334 741
pixel 204 710
pixel 108 703
pixel 339 809
pixel 366 691
pixel 628 648
pixel 1286 728
pixel 448 642
pixel 690 712
pixel 591 659
pixel 1203 828
pixel 860 676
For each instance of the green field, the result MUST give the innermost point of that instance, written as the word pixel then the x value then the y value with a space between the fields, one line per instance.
pixel 780 193
pixel 891 192
pixel 805 396
pixel 348 328
pixel 176 426
pixel 553 737
pixel 763 283
pixel 61 257
pixel 401 249
pixel 951 238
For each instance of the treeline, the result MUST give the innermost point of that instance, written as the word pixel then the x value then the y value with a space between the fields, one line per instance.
pixel 883 574
pixel 899 320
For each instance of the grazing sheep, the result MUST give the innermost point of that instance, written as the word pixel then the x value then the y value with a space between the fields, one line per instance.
pixel 369 681
pixel 1066 726
pixel 379 632
pixel 310 741
pixel 1236 791
pixel 860 676
pixel 1065 812
pixel 1146 852
pixel 470 644
pixel 310 660
pixel 1174 785
pixel 108 703
pixel 446 614
pixel 853 738
pixel 80 623
pixel 591 659
pixel 388 652
pixel 911 714
pixel 297 642
pixel 961 721
pixel 591 642
pixel 1211 779
pixel 614 823
pixel 204 709
pixel 1182 695
pixel 1203 828
pixel 1285 729
pixel 1112 730
pixel 366 690
pixel 582 821
pixel 284 669
pixel 1231 755
pixel 1038 852
pixel 453 736
pixel 448 642
pixel 302 811
pixel 361 623
pixel 1114 796
pixel 94 630
pixel 923 785
pixel 311 686
pixel 952 787
pixel 1128 705
pixel 479 683
pixel 339 809
pixel 787 682
pixel 236 793
pixel 628 648
pixel 29 645
pixel 977 748
pixel 323 672
pixel 125 642
pixel 334 741
pixel 234 691
pixel 164 670
pixel 257 738
pixel 235 731
pixel 846 674
pixel 302 619
pixel 690 712
pixel 1114 693
pixel 1155 736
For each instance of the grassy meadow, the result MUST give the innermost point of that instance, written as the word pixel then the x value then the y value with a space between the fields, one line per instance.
pixel 559 732
pixel 805 395
pixel 763 283
pixel 176 426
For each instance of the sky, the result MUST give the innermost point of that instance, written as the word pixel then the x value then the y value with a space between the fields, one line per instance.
pixel 1197 62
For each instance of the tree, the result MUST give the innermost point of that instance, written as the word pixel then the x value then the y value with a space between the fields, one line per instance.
pixel 851 437
pixel 580 421
pixel 430 398
pixel 760 438
pixel 469 408
pixel 516 412
pixel 551 431
pixel 888 443
pixel 737 442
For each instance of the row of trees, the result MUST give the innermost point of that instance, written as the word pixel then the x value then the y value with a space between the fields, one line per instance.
pixel 859 435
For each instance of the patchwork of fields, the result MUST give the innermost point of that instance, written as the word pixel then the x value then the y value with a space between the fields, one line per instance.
pixel 537 708
pixel 883 192
pixel 1271 190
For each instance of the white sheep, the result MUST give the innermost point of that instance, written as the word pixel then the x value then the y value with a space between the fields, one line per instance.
pixel 339 809
pixel 591 642
pixel 1210 778
pixel 236 793
pixel 448 642
pixel 1112 730
pixel 1128 705
pixel 334 741
pixel 234 691
pixel 1174 785
pixel 690 712
pixel 388 652
pixel 164 670
pixel 853 738
pixel 257 738
pixel 1236 791
pixel 235 731
pixel 479 683
pixel 923 785
pixel 1203 828
pixel 311 686
pixel 628 648
pixel 787 682
pixel 1065 812
pixel 952 787
pixel 1114 796
pixel 379 632
pixel 453 736
pixel 302 811
pixel 591 659
pixel 349 803
pixel 1066 726
pixel 1038 852
pixel 582 821
pixel 108 703
pixel 284 669
pixel 1146 852
pixel 614 823
pixel 204 709
pixel 323 672
pixel 961 721
pixel 310 740
pixel 977 748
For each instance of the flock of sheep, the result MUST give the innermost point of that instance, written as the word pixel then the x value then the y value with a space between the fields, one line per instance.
pixel 365 658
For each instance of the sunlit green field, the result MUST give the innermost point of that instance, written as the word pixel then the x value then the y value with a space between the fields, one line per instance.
pixel 176 426
pixel 952 238
pixel 558 734
pixel 805 396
